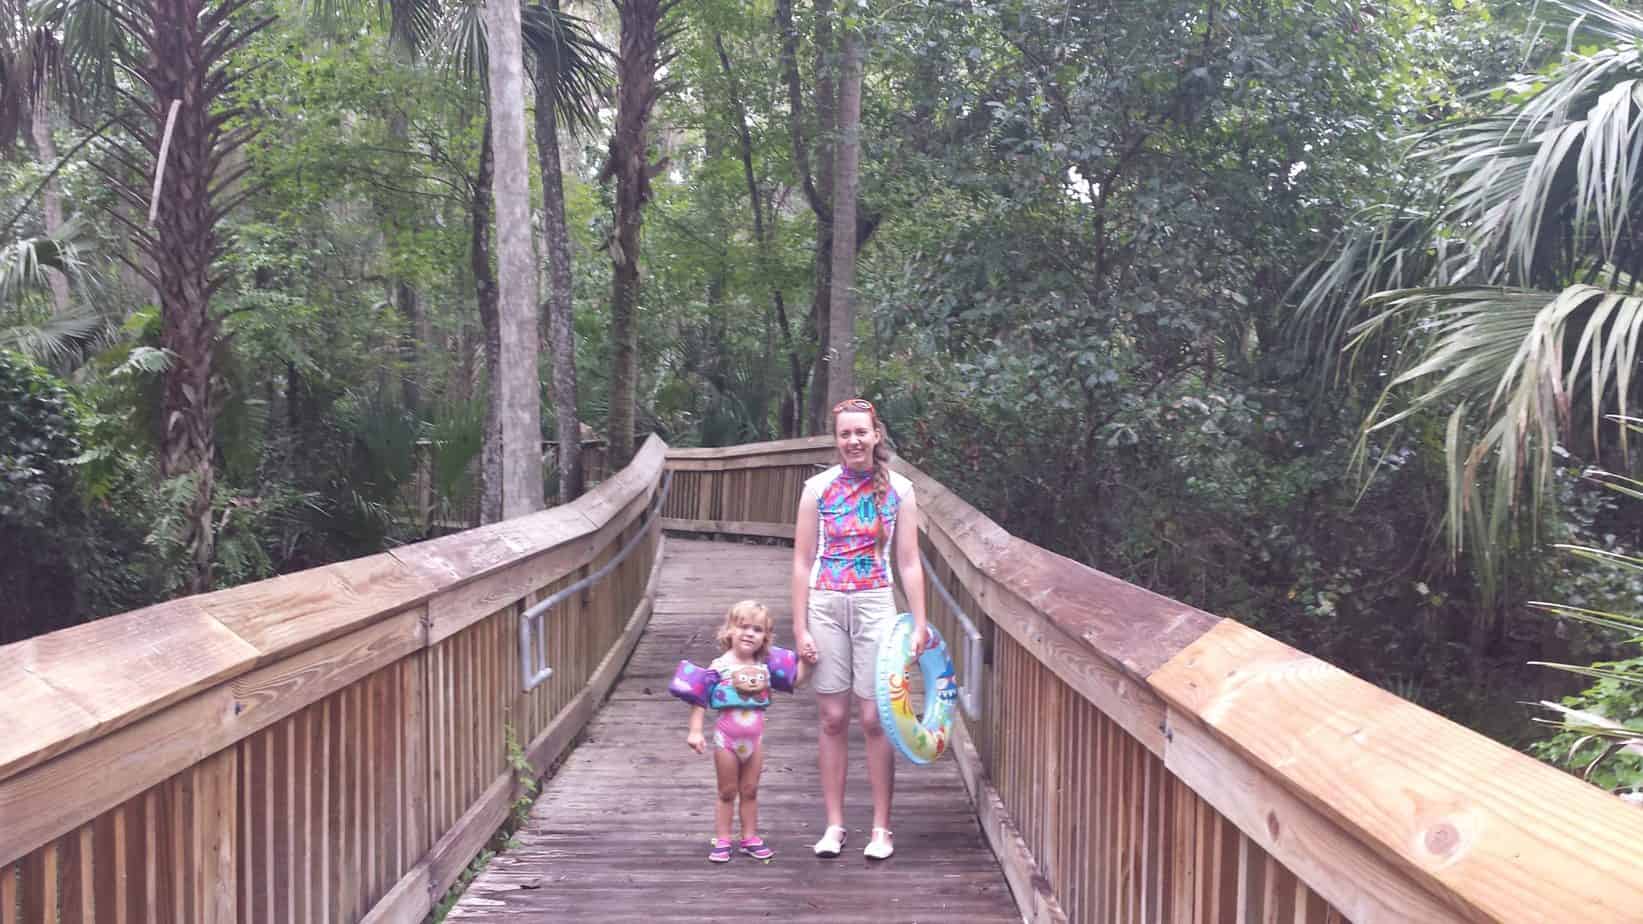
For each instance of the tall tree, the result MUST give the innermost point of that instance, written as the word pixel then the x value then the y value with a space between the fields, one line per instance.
pixel 570 76
pixel 793 404
pixel 637 59
pixel 521 410
pixel 841 315
pixel 179 51
pixel 485 293
pixel 817 185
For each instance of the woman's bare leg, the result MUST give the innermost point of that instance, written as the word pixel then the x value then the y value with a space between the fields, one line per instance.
pixel 881 762
pixel 833 746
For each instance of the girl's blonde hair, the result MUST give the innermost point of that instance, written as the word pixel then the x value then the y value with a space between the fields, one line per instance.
pixel 747 609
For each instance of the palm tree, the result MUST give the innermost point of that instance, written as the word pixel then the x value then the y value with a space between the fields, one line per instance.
pixel 172 163
pixel 1507 294
pixel 571 75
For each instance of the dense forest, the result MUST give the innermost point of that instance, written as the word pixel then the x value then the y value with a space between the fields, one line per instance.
pixel 1320 315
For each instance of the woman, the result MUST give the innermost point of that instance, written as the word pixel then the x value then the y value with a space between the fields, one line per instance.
pixel 852 518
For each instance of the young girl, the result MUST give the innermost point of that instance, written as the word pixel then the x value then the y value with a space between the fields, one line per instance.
pixel 738 685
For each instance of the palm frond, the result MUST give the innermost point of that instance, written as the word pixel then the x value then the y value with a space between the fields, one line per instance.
pixel 459 41
pixel 566 54
pixel 94 43
pixel 1618 622
pixel 23 263
pixel 55 339
pixel 412 24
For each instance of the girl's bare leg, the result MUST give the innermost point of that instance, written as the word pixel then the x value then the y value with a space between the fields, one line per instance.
pixel 724 765
pixel 833 746
pixel 749 791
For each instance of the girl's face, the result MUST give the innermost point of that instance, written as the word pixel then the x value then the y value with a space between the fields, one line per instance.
pixel 749 636
pixel 855 436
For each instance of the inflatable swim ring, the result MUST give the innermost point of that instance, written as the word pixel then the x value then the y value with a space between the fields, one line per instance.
pixel 919 740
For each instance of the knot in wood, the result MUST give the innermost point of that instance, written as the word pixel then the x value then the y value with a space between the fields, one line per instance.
pixel 1443 839
pixel 1273 828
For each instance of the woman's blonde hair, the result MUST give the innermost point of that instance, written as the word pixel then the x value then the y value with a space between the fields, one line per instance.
pixel 747 609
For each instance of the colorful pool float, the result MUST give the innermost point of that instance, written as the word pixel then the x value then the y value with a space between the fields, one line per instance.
pixel 920 740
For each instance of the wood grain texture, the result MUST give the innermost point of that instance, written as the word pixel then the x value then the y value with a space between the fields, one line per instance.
pixel 62 689
pixel 452 560
pixel 620 832
pixel 1494 834
pixel 771 453
pixel 290 613
pixel 48 800
pixel 1344 872
pixel 1035 898
pixel 730 527
pixel 1098 678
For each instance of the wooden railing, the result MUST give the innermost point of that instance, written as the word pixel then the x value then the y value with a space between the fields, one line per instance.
pixel 322 747
pixel 1138 760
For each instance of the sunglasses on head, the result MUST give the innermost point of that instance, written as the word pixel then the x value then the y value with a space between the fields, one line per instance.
pixel 853 404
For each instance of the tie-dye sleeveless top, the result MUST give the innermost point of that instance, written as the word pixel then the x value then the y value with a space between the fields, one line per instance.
pixel 848 555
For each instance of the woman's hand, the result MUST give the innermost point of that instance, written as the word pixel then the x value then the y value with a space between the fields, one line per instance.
pixel 696 742
pixel 807 647
pixel 921 636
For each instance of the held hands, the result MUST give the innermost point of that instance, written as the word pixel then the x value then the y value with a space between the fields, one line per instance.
pixel 696 742
pixel 807 647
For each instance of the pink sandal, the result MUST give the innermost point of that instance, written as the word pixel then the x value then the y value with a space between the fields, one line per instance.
pixel 755 848
pixel 720 852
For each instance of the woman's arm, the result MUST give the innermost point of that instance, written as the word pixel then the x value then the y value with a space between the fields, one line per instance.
pixel 911 568
pixel 804 557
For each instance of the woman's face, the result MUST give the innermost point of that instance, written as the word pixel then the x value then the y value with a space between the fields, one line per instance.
pixel 855 437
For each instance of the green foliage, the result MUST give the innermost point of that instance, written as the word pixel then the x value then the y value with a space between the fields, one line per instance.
pixel 1601 736
pixel 1600 730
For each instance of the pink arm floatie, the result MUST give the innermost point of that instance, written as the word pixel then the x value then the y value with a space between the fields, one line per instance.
pixel 693 684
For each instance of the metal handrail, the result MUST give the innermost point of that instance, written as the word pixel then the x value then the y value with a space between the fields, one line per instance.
pixel 969 696
pixel 527 669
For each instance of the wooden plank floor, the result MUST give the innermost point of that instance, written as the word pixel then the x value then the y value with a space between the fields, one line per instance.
pixel 621 832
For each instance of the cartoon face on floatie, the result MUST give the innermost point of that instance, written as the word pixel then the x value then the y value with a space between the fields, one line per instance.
pixel 749 681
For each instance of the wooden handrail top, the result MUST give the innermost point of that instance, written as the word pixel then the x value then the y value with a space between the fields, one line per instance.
pixel 62 689
pixel 770 448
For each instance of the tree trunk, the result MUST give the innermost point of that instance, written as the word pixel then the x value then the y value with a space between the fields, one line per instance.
pixel 479 256
pixel 841 319
pixel 628 163
pixel 46 148
pixel 822 204
pixel 559 309
pixel 790 427
pixel 410 344
pixel 516 264
pixel 185 73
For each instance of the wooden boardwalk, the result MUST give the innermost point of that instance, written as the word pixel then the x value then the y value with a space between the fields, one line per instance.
pixel 621 832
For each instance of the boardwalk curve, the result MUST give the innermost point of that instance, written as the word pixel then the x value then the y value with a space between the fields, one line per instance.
pixel 621 832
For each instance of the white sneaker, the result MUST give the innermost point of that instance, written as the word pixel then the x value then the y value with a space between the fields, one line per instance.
pixel 880 847
pixel 831 843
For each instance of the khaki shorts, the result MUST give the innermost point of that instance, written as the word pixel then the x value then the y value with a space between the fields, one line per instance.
pixel 846 627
